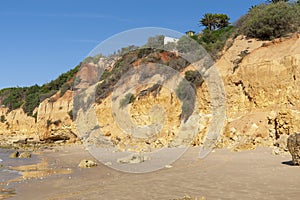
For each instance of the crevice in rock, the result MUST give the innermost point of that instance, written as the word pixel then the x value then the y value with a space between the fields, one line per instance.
pixel 240 82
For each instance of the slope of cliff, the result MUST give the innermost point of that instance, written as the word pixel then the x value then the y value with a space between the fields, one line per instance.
pixel 262 92
pixel 38 113
pixel 261 80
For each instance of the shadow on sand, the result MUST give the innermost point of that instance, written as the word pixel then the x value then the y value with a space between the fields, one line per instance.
pixel 290 163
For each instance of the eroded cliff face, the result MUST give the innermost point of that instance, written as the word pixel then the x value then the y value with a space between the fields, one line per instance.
pixel 52 123
pixel 54 118
pixel 16 125
pixel 262 84
pixel 261 89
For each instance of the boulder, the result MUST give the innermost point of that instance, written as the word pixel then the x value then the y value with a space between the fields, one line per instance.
pixel 17 154
pixel 25 155
pixel 14 154
pixel 293 144
pixel 87 164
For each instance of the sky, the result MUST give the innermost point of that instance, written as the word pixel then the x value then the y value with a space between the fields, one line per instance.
pixel 40 39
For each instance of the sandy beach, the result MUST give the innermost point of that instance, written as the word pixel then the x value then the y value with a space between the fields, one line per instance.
pixel 255 174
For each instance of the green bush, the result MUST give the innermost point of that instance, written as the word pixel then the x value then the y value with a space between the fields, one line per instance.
pixel 64 88
pixel 214 41
pixel 47 95
pixel 269 21
pixel 194 77
pixel 156 42
pixel 13 98
pixel 186 94
pixel 31 102
pixel 29 98
pixel 185 45
pixel 129 98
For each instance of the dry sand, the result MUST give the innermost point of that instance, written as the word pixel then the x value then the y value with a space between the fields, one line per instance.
pixel 255 174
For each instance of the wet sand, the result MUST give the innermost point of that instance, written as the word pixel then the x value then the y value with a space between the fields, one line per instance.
pixel 255 174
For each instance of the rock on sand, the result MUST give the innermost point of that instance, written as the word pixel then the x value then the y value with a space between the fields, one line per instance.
pixel 87 164
pixel 293 144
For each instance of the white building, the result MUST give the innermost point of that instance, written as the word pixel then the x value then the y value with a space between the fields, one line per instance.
pixel 170 39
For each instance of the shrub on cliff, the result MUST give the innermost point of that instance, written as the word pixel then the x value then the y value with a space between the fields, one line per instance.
pixel 194 77
pixel 269 21
pixel 29 98
pixel 129 98
pixel 12 97
pixel 186 94
pixel 214 41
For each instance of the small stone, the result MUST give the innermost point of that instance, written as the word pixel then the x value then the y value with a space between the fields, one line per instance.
pixel 276 151
pixel 133 159
pixel 25 155
pixel 14 154
pixel 87 164
pixel 108 163
pixel 168 166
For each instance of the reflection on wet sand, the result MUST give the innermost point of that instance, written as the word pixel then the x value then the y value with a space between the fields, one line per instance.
pixel 39 170
pixel 6 193
pixel 32 171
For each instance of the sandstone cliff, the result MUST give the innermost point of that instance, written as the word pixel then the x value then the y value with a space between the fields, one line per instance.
pixel 261 81
pixel 52 123
pixel 262 92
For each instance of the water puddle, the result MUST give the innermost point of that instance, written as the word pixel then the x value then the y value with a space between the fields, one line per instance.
pixel 14 170
pixel 39 170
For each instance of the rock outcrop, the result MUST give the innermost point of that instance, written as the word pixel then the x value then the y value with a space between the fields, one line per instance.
pixel 52 123
pixel 263 93
pixel 293 144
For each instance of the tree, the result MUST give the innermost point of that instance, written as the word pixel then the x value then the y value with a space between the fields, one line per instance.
pixel 208 21
pixel 222 20
pixel 214 21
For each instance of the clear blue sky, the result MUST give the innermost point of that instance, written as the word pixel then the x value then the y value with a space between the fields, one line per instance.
pixel 40 39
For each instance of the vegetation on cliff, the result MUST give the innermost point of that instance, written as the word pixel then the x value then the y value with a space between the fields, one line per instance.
pixel 265 21
pixel 215 34
pixel 30 97
pixel 269 21
pixel 214 41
